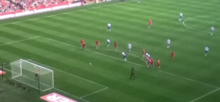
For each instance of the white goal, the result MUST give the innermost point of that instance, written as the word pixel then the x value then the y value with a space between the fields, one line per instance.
pixel 33 75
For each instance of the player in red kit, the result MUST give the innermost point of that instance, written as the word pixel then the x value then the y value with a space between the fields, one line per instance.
pixel 158 63
pixel 83 43
pixel 116 46
pixel 148 62
pixel 172 55
pixel 150 23
pixel 143 52
pixel 97 44
pixel 152 62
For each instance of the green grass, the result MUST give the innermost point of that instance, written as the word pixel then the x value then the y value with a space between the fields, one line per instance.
pixel 191 77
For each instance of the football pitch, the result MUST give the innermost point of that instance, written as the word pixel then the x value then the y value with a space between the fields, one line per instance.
pixel 53 40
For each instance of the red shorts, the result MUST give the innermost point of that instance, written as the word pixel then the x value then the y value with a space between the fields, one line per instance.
pixel 83 45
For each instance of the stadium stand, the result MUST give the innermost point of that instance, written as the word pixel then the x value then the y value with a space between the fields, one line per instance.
pixel 12 6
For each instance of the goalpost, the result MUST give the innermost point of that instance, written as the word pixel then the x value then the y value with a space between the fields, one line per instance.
pixel 32 74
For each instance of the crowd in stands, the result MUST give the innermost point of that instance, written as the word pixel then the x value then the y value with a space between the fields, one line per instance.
pixel 25 5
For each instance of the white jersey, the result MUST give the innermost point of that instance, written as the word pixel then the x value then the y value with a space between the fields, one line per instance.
pixel 108 41
pixel 181 14
pixel 212 28
pixel 168 41
pixel 206 49
pixel 109 24
pixel 129 46
pixel 147 55
pixel 123 54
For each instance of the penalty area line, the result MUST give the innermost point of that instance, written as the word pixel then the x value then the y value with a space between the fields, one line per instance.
pixel 94 92
pixel 92 51
pixel 70 94
pixel 169 72
pixel 135 63
pixel 80 77
pixel 213 91
pixel 17 41
pixel 81 98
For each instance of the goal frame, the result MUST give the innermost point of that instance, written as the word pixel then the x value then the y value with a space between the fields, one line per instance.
pixel 21 61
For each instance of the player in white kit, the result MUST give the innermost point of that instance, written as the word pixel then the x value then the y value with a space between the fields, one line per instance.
pixel 212 30
pixel 181 17
pixel 108 42
pixel 109 26
pixel 168 43
pixel 129 47
pixel 206 50
pixel 124 56
pixel 147 55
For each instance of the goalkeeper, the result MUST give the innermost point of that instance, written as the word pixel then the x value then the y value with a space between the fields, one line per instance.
pixel 132 76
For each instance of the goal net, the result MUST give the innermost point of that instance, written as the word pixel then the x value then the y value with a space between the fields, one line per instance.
pixel 32 74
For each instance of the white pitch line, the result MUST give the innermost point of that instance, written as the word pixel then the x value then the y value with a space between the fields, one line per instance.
pixel 190 79
pixel 119 59
pixel 8 43
pixel 138 64
pixel 80 77
pixel 70 94
pixel 94 92
pixel 205 95
pixel 65 13
pixel 92 51
pixel 171 73
pixel 105 87
pixel 191 27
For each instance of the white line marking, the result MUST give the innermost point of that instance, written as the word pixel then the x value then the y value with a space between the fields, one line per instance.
pixel 189 79
pixel 27 83
pixel 97 91
pixel 66 13
pixel 80 77
pixel 55 89
pixel 191 27
pixel 92 51
pixel 70 94
pixel 205 95
pixel 175 74
pixel 106 86
pixel 145 66
pixel 100 90
pixel 94 92
pixel 8 43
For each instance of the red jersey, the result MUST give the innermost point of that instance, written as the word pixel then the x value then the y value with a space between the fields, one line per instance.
pixel 82 41
pixel 152 61
pixel 158 62
pixel 97 42
pixel 116 44
pixel 150 22
pixel 148 60
pixel 172 54
pixel 143 51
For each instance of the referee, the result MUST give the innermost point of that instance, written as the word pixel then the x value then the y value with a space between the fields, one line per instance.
pixel 132 76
